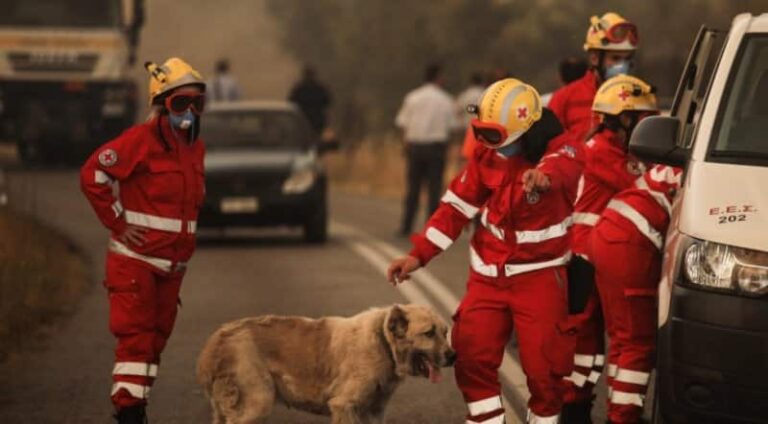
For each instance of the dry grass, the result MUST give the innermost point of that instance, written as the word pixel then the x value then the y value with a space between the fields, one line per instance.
pixel 376 167
pixel 42 276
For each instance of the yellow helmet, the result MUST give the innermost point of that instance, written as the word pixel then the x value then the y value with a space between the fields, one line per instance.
pixel 506 110
pixel 172 74
pixel 611 32
pixel 624 93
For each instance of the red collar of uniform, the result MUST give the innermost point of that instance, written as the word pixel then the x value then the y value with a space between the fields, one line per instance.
pixel 612 138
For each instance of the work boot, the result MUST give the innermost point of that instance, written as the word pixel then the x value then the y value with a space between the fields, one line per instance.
pixel 132 415
pixel 576 413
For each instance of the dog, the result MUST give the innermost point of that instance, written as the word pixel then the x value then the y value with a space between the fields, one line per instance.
pixel 345 368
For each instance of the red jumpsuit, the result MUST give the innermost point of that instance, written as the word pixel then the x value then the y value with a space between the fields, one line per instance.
pixel 608 170
pixel 161 188
pixel 626 252
pixel 572 105
pixel 517 272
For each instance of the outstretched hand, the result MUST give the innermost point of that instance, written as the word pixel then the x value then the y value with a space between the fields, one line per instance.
pixel 400 269
pixel 535 180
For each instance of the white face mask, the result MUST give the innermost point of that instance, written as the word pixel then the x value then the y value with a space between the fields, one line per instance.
pixel 618 68
pixel 183 121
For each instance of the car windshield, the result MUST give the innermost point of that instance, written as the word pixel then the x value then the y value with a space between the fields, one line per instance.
pixel 743 118
pixel 61 13
pixel 257 129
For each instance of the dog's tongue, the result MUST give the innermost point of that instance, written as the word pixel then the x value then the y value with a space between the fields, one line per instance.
pixel 434 373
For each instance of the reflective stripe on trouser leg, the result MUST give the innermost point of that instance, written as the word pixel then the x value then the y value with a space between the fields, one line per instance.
pixel 131 289
pixel 481 330
pixel 535 419
pixel 498 419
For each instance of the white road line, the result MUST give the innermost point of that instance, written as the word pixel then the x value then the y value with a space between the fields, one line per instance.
pixel 358 240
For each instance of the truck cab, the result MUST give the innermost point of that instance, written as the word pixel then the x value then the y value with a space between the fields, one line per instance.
pixel 64 86
pixel 713 295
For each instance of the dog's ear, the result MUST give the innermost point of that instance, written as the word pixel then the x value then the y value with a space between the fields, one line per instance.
pixel 397 322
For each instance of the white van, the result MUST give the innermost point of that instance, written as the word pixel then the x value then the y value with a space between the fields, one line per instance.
pixel 713 297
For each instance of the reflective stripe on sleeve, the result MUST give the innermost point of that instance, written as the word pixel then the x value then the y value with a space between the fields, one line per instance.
pixel 459 204
pixel 551 232
pixel 101 177
pixel 484 406
pixel 639 221
pixel 633 377
pixel 135 368
pixel 438 238
pixel 585 218
pixel 136 390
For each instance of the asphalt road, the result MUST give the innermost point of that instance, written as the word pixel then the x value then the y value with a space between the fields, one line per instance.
pixel 66 378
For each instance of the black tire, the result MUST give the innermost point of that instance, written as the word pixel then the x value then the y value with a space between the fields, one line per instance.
pixel 316 225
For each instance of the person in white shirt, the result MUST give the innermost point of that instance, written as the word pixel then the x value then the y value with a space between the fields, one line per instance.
pixel 223 86
pixel 427 119
pixel 469 96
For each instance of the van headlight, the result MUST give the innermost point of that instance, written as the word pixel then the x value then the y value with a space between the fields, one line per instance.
pixel 299 181
pixel 722 267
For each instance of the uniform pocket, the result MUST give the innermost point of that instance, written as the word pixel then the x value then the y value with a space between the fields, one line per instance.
pixel 642 312
pixel 165 181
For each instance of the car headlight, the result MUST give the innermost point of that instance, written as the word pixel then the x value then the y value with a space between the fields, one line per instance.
pixel 721 267
pixel 299 181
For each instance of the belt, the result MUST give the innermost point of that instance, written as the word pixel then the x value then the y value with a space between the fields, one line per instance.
pixel 159 263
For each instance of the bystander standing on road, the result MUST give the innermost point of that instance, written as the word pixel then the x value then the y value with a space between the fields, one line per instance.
pixel 313 98
pixel 427 118
pixel 159 168
pixel 223 87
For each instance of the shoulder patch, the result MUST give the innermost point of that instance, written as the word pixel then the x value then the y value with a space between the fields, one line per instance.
pixel 107 157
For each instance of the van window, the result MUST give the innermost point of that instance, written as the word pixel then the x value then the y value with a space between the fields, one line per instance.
pixel 743 117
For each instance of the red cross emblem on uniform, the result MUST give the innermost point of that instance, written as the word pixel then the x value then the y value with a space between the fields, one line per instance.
pixel 624 95
pixel 107 157
pixel 522 113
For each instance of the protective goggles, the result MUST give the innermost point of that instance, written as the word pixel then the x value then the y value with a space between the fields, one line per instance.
pixel 489 133
pixel 618 33
pixel 179 103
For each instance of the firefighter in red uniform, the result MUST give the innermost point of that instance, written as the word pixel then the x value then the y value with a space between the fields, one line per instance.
pixel 158 166
pixel 611 43
pixel 518 182
pixel 626 251
pixel 620 103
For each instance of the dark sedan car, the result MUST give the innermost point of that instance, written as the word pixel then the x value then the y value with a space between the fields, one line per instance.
pixel 262 168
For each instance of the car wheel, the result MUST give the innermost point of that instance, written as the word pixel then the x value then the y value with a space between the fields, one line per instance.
pixel 316 225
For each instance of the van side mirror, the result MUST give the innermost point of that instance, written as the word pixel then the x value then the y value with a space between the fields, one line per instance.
pixel 655 140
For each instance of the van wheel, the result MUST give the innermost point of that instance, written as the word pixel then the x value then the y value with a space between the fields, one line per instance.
pixel 316 225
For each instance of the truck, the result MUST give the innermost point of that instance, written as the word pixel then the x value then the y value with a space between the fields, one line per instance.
pixel 65 86
pixel 712 353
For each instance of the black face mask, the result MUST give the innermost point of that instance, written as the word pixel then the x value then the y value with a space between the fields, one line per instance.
pixel 614 124
pixel 536 139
